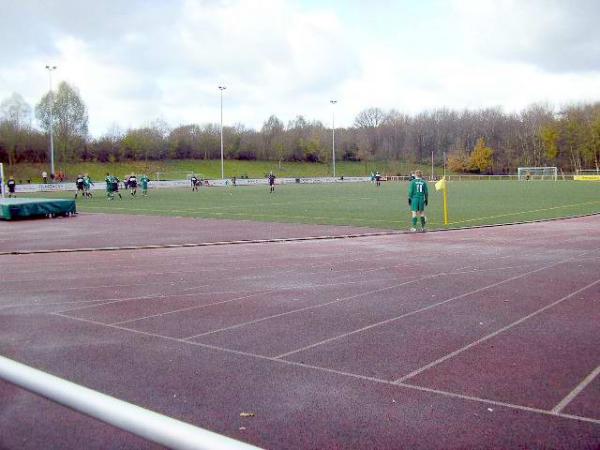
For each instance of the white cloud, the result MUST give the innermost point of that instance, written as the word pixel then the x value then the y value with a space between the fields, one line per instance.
pixel 556 35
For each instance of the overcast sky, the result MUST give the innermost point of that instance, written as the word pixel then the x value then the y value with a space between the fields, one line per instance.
pixel 137 61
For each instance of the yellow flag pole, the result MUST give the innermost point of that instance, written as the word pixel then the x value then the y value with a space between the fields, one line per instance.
pixel 442 185
pixel 445 203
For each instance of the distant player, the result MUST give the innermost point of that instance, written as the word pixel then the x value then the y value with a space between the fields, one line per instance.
pixel 109 186
pixel 12 185
pixel 378 178
pixel 79 184
pixel 87 186
pixel 271 182
pixel 132 183
pixel 418 196
pixel 144 182
pixel 116 182
pixel 194 182
pixel 112 186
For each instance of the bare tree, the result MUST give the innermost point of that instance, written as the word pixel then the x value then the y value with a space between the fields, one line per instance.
pixel 14 123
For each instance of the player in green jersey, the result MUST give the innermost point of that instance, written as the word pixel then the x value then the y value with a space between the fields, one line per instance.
pixel 144 182
pixel 112 186
pixel 87 186
pixel 418 196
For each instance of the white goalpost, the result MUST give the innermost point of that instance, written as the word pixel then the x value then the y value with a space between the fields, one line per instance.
pixel 537 173
pixel 2 182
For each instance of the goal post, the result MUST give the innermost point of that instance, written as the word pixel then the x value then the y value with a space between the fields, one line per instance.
pixel 2 182
pixel 537 173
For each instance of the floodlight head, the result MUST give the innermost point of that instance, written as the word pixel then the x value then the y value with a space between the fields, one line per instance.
pixel 333 102
pixel 222 87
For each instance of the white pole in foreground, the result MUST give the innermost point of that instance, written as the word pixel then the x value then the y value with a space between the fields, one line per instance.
pixel 147 424
pixel 222 88
pixel 333 102
pixel 2 180
pixel 50 69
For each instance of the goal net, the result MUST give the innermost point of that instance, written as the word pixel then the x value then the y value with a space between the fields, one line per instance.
pixel 537 173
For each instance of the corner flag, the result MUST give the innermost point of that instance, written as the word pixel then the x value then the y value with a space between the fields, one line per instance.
pixel 442 186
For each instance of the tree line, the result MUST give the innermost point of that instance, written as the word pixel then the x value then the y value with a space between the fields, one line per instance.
pixel 481 141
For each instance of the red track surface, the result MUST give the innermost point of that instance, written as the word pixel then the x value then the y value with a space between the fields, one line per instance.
pixel 104 230
pixel 485 338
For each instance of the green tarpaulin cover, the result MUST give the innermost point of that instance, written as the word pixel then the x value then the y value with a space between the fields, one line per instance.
pixel 20 208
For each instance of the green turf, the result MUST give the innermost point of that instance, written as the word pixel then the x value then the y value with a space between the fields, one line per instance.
pixel 471 203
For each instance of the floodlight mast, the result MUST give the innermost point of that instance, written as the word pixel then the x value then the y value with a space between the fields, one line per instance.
pixel 222 88
pixel 51 101
pixel 333 102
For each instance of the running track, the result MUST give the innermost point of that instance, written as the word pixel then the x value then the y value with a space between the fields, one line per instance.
pixel 484 338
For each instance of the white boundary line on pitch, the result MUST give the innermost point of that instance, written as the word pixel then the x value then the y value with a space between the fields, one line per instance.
pixel 580 387
pixel 339 300
pixel 417 311
pixel 334 371
pixel 494 334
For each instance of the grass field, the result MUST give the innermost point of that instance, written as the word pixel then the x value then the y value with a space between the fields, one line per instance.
pixel 180 169
pixel 471 203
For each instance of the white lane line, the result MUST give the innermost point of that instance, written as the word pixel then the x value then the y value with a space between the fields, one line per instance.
pixel 190 308
pixel 306 308
pixel 110 301
pixel 337 372
pixel 412 313
pixel 252 322
pixel 497 403
pixel 281 289
pixel 165 296
pixel 494 334
pixel 580 387
pixel 37 305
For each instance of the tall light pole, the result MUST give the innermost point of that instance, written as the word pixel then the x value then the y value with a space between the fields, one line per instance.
pixel 222 88
pixel 333 102
pixel 51 101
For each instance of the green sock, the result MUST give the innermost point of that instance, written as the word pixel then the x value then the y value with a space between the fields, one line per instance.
pixel 423 221
pixel 414 222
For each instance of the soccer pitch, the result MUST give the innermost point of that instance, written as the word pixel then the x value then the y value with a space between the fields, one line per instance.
pixel 471 203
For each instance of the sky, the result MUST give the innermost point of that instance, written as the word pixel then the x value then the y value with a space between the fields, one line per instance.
pixel 138 61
